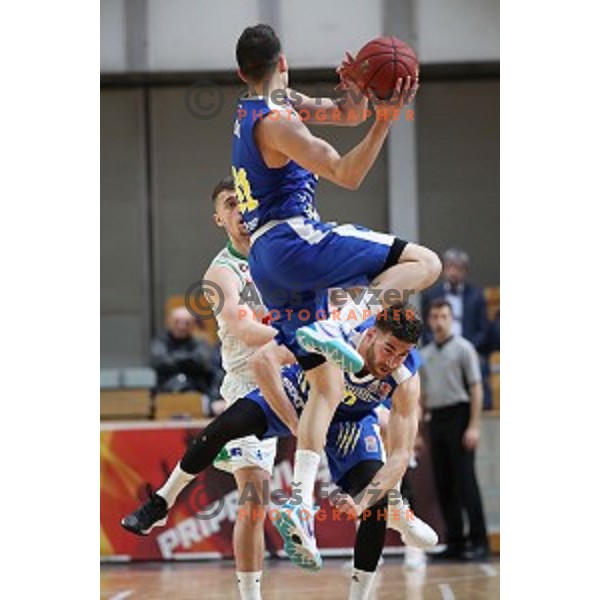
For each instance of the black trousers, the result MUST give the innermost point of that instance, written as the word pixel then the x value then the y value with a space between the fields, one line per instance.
pixel 454 472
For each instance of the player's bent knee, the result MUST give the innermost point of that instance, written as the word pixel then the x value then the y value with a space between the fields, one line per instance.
pixel 326 379
pixel 436 266
pixel 432 265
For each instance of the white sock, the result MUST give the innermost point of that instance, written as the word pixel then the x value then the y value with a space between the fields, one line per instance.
pixel 306 464
pixel 249 584
pixel 171 488
pixel 360 584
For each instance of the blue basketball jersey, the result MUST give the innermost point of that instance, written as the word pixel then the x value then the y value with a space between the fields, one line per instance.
pixel 365 392
pixel 266 194
pixel 361 394
pixel 353 435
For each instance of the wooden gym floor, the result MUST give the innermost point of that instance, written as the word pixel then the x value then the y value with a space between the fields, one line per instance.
pixel 283 581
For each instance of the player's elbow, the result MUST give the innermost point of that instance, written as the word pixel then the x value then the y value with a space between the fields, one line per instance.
pixel 352 184
pixel 338 171
pixel 347 180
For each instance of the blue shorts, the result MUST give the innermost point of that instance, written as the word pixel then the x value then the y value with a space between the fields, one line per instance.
pixel 349 442
pixel 353 442
pixel 296 262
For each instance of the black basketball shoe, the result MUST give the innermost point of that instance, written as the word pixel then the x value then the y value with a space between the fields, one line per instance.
pixel 153 513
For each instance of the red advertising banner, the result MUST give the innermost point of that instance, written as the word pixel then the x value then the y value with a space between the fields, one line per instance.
pixel 200 524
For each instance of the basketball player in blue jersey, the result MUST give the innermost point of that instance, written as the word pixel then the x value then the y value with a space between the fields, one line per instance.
pixel 354 449
pixel 294 257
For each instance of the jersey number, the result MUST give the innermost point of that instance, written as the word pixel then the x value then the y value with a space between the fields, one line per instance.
pixel 242 190
pixel 349 398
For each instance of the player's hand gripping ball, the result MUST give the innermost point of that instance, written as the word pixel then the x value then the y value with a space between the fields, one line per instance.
pixel 378 66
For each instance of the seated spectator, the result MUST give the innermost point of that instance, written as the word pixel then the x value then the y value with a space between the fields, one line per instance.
pixel 182 362
pixel 468 309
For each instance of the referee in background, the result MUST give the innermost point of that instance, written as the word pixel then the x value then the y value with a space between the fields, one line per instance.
pixel 453 395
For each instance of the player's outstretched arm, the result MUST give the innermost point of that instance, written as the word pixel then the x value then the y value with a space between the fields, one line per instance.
pixel 236 314
pixel 348 111
pixel 403 426
pixel 290 138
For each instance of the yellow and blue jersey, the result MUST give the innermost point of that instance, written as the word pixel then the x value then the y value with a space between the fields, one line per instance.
pixel 353 435
pixel 294 257
pixel 267 194
pixel 361 394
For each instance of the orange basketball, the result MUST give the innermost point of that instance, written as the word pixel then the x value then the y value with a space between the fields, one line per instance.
pixel 381 62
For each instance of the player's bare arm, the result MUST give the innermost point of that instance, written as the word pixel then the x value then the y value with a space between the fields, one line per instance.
pixel 289 138
pixel 403 426
pixel 238 316
pixel 347 111
pixel 266 365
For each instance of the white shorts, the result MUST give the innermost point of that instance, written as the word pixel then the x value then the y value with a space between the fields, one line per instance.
pixel 247 451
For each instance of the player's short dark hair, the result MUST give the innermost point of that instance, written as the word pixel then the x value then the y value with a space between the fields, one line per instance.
pixel 440 303
pixel 403 321
pixel 257 52
pixel 225 184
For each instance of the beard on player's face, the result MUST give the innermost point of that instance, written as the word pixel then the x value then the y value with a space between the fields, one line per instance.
pixel 375 366
pixel 370 359
pixel 384 353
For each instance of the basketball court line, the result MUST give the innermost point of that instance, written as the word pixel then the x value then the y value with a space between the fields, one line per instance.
pixel 489 570
pixel 445 579
pixel 446 591
pixel 121 595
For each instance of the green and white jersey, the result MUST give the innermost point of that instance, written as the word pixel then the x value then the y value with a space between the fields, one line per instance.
pixel 235 354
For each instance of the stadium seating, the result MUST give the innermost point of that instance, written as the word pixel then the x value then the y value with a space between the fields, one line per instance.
pixel 191 405
pixel 126 393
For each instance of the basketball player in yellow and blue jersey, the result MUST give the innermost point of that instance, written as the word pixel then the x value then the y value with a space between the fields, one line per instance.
pixel 294 257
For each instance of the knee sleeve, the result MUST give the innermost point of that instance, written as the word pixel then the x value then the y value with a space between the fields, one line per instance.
pixel 242 418
pixel 370 538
